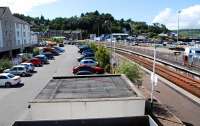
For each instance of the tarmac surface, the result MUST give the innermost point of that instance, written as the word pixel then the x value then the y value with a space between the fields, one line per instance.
pixel 14 101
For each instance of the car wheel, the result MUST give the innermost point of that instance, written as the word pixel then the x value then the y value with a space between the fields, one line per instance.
pixel 7 84
pixel 23 74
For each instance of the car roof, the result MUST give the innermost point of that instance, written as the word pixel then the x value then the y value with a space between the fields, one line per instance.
pixel 27 63
pixel 4 74
pixel 87 60
pixel 19 66
pixel 40 55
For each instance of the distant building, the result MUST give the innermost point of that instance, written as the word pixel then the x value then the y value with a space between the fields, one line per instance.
pixel 120 36
pixel 14 32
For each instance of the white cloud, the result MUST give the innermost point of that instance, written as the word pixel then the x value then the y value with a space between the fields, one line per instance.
pixel 24 6
pixel 189 18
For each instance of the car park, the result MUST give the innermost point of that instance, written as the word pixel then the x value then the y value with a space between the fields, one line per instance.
pixel 36 62
pixel 29 66
pixel 88 62
pixel 8 80
pixel 20 70
pixel 90 69
pixel 43 59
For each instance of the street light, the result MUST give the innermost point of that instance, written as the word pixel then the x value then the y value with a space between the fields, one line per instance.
pixel 109 25
pixel 178 25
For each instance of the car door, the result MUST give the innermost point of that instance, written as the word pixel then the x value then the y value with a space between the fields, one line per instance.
pixel 3 80
pixel 20 70
pixel 13 70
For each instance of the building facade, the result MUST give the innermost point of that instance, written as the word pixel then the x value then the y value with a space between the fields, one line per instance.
pixel 14 32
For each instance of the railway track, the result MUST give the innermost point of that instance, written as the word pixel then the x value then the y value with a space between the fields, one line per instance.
pixel 188 83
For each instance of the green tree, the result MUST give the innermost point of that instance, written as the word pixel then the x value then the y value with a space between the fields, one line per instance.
pixel 5 63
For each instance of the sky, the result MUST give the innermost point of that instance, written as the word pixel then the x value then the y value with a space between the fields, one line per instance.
pixel 150 11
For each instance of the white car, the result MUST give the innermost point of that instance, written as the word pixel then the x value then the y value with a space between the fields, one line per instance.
pixel 8 80
pixel 30 67
pixel 88 62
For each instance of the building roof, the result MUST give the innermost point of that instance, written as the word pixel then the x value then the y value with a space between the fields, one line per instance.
pixel 16 19
pixel 87 87
pixel 2 11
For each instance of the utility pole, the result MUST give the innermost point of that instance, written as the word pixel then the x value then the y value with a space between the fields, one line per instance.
pixel 178 26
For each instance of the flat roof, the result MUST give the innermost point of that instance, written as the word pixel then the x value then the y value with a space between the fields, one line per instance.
pixel 123 121
pixel 87 87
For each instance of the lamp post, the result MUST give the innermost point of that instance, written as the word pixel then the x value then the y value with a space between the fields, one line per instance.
pixel 109 25
pixel 178 25
pixel 153 78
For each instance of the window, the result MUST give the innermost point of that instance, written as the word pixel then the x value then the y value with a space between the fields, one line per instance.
pixel 17 33
pixel 11 75
pixel 14 69
pixel 24 34
pixel 3 77
pixel 17 25
pixel 20 68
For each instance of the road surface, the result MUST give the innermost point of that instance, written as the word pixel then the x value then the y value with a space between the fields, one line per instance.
pixel 14 101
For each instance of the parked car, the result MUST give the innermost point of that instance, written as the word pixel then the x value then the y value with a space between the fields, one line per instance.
pixel 49 55
pixel 87 53
pixel 88 62
pixel 29 66
pixel 90 69
pixel 59 49
pixel 8 80
pixel 61 45
pixel 83 57
pixel 20 70
pixel 43 59
pixel 82 48
pixel 55 52
pixel 36 62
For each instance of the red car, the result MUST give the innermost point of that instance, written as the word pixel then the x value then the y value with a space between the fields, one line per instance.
pixel 88 69
pixel 35 62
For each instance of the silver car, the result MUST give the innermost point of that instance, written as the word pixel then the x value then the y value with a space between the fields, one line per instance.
pixel 18 70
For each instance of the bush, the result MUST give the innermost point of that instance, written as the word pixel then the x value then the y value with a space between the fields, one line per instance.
pixel 5 63
pixel 103 57
pixel 93 46
pixel 132 71
pixel 36 51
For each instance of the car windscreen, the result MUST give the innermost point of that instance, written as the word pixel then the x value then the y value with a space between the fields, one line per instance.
pixel 197 52
pixel 11 75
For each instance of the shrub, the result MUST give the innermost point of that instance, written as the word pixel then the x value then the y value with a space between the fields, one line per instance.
pixel 93 46
pixel 36 51
pixel 5 63
pixel 132 71
pixel 103 57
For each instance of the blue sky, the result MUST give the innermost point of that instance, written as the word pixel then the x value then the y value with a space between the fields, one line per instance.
pixel 144 10
pixel 163 11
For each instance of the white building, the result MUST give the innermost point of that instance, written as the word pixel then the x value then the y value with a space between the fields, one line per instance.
pixel 14 32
